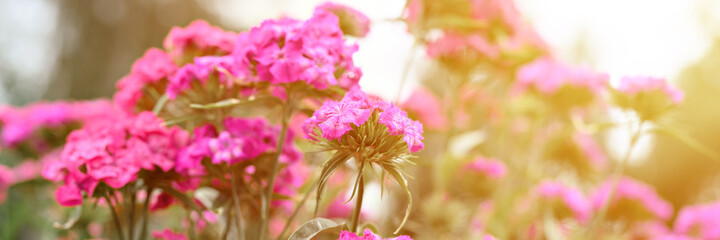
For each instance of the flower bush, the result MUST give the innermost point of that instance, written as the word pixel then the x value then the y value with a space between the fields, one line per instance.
pixel 202 139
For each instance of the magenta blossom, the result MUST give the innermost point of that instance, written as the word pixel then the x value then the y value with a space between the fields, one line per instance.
pixel 638 194
pixel 19 124
pixel 368 235
pixel 154 66
pixel 334 118
pixel 199 38
pixel 572 198
pixel 113 151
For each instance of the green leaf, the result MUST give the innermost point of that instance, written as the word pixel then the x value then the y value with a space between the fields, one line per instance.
pixel 318 228
pixel 400 179
pixel 328 168
pixel 70 221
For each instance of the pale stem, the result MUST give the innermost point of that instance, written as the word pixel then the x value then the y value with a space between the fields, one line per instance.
pixel 146 209
pixel 116 219
pixel 616 177
pixel 358 203
pixel 236 205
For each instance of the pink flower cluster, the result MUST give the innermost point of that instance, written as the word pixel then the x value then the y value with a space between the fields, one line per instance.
pixel 704 220
pixel 636 85
pixel 547 76
pixel 19 124
pixel 113 151
pixel 515 33
pixel 634 192
pixel 242 139
pixel 352 22
pixel 571 197
pixel 282 51
pixel 334 118
pixel 199 38
pixel 154 66
pixel 490 167
pixel 368 235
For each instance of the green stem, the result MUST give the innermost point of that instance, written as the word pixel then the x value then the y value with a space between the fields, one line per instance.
pixel 358 203
pixel 236 205
pixel 116 219
pixel 406 70
pixel 616 177
pixel 146 214
pixel 267 196
pixel 228 222
pixel 131 214
pixel 297 209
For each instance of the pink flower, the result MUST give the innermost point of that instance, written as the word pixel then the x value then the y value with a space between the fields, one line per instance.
pixel 426 106
pixel 150 69
pixel 352 21
pixel 572 198
pixel 69 195
pixel 491 167
pixel 200 37
pixel 640 84
pixel 334 119
pixel 548 76
pixel 368 235
pixel 630 191
pixel 168 234
pixel 114 150
pixel 20 124
pixel 702 220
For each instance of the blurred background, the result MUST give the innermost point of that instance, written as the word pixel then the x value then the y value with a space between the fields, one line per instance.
pixel 75 49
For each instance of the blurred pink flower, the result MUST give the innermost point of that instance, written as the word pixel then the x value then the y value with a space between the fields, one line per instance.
pixel 636 85
pixel 572 198
pixel 590 149
pixel 5 181
pixel 635 192
pixel 702 221
pixel 368 235
pixel 168 234
pixel 490 167
pixel 547 76
pixel 200 37
pixel 351 21
pixel 426 106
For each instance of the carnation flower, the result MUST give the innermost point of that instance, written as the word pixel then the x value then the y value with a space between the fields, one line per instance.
pixel 140 89
pixel 701 221
pixel 368 235
pixel 650 97
pixel 277 52
pixel 20 124
pixel 113 151
pixel 242 140
pixel 371 131
pixel 631 196
pixel 352 22
pixel 571 200
pixel 198 39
